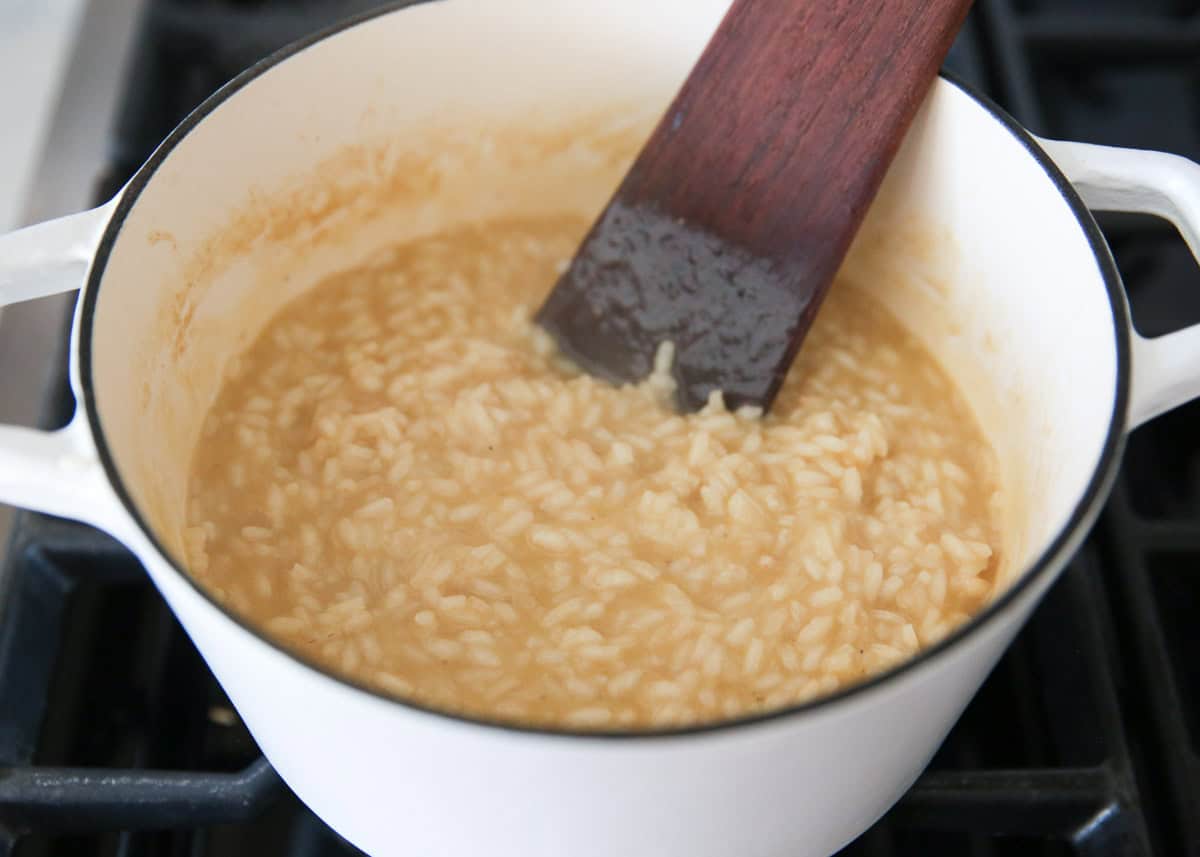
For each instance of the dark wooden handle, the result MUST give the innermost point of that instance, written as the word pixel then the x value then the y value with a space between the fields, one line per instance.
pixel 727 232
pixel 798 107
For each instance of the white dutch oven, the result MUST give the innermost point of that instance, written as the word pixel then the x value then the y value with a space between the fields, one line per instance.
pixel 415 118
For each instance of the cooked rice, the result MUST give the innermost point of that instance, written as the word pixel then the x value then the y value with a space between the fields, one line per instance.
pixel 403 481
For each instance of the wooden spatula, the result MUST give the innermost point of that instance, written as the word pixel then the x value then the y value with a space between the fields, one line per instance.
pixel 728 230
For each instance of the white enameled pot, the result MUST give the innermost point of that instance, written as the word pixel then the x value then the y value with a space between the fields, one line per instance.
pixel 415 118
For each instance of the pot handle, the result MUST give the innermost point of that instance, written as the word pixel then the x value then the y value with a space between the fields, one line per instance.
pixel 1166 369
pixel 55 472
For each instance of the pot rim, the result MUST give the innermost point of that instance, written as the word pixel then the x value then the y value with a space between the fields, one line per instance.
pixel 1045 565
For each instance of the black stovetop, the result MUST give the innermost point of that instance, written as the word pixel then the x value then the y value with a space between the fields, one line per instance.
pixel 115 739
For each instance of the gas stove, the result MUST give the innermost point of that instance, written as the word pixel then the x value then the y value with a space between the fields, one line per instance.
pixel 116 740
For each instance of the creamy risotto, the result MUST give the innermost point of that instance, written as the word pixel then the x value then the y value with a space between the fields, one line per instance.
pixel 402 480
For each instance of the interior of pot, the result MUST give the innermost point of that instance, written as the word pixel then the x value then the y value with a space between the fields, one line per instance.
pixel 455 111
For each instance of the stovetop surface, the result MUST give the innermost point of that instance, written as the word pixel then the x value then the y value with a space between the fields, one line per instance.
pixel 116 740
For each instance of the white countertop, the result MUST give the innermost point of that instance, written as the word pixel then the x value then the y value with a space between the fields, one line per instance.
pixel 62 66
pixel 37 39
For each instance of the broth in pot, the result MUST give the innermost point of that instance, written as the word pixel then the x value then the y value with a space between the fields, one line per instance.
pixel 403 480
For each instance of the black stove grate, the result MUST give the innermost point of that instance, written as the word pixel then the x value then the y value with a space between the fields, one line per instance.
pixel 115 739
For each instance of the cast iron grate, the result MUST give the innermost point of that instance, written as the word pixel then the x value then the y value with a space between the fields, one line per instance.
pixel 115 740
